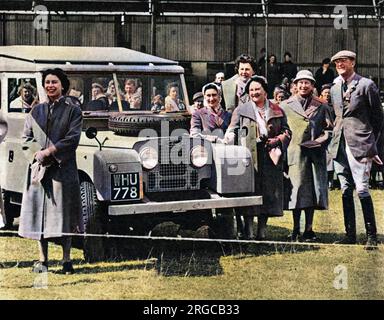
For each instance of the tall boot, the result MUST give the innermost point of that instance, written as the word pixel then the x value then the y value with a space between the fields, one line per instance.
pixel 295 236
pixel 349 220
pixel 239 224
pixel 262 227
pixel 248 224
pixel 370 222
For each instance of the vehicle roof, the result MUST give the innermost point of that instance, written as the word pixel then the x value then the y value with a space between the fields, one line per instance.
pixel 36 58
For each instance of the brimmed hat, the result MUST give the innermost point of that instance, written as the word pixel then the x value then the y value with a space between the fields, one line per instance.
pixel 326 86
pixel 97 85
pixel 304 74
pixel 344 54
pixel 197 95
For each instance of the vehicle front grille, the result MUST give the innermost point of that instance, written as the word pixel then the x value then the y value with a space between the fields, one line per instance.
pixel 174 171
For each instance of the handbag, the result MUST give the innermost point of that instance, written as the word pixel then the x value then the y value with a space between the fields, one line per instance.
pixel 37 172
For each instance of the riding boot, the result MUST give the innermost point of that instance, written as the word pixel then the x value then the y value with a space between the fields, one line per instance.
pixel 239 224
pixel 370 222
pixel 248 221
pixel 262 227
pixel 295 235
pixel 349 220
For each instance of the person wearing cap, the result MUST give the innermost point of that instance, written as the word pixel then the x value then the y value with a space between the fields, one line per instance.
pixel 324 74
pixel 311 125
pixel 198 100
pixel 210 121
pixel 233 88
pixel 358 123
pixel 262 127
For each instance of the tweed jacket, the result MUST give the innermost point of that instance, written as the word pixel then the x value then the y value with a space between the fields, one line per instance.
pixel 360 119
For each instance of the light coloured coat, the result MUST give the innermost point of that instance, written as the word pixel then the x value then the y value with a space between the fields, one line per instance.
pixel 307 167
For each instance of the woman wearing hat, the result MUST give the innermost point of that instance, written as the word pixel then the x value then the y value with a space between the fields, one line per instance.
pixel 210 121
pixel 51 205
pixel 310 122
pixel 262 127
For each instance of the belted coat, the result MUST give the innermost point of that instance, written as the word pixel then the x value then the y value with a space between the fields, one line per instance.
pixel 52 206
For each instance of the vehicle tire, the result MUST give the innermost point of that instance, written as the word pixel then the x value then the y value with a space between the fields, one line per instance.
pixel 11 210
pixel 131 124
pixel 94 217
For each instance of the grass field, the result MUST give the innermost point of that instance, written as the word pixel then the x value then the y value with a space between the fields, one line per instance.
pixel 211 271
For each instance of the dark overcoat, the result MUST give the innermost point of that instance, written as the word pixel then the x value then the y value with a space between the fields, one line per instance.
pixel 360 121
pixel 307 167
pixel 268 176
pixel 53 206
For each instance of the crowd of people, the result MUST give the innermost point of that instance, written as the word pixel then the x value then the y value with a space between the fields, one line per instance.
pixel 311 127
pixel 289 141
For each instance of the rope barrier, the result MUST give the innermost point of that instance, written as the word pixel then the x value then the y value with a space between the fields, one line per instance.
pixel 235 241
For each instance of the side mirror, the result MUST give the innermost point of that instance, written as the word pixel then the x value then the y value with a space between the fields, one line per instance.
pixel 91 133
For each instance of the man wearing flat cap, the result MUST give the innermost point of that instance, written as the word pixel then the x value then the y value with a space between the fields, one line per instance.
pixel 359 120
pixel 198 101
pixel 311 125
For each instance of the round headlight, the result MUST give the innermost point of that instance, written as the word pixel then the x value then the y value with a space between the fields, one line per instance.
pixel 149 157
pixel 199 156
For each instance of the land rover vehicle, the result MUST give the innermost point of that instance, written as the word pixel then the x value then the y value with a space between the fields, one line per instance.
pixel 133 163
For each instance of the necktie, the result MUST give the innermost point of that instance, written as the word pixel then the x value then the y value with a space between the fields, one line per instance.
pixel 345 87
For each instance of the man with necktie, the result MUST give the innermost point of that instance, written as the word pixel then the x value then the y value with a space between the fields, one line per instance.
pixel 359 120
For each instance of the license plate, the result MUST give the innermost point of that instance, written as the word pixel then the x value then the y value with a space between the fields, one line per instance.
pixel 125 186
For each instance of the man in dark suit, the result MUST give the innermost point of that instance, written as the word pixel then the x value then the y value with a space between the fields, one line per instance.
pixel 359 119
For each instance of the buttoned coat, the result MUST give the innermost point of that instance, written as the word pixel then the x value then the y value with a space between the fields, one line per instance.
pixel 52 207
pixel 205 121
pixel 268 176
pixel 307 167
pixel 361 121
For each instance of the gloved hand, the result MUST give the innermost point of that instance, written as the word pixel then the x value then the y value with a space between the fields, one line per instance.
pixel 44 157
pixel 273 143
pixel 221 141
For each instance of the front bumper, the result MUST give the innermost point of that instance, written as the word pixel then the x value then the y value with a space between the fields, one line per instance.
pixel 216 202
